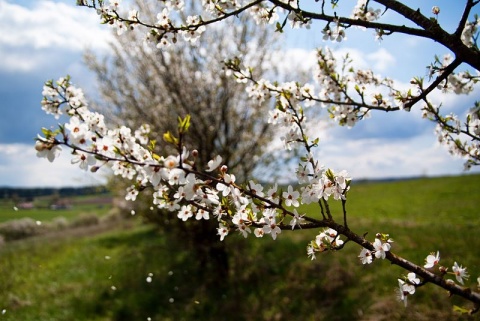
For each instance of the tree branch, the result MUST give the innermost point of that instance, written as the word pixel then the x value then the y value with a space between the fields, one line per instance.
pixel 466 12
pixel 444 75
pixel 354 22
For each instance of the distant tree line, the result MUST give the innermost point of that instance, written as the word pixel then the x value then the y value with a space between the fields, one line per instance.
pixel 30 193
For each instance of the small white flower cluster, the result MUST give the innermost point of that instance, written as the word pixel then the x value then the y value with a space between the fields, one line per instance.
pixel 407 287
pixel 109 15
pixel 461 83
pixel 336 34
pixel 191 29
pixel 219 7
pixel 348 106
pixel 432 260
pixel 194 29
pixel 294 98
pixel 460 272
pixel 381 246
pixel 361 12
pixel 473 120
pixel 46 148
pixel 56 95
pixel 343 94
pixel 326 240
pixel 291 101
pixel 460 140
pixel 323 184
pixel 289 116
pixel 297 21
pixel 408 284
pixel 470 32
pixel 259 91
pixel 263 15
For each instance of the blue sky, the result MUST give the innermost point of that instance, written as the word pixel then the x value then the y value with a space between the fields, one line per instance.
pixel 43 40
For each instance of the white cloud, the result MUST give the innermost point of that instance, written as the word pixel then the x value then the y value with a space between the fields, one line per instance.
pixel 298 62
pixel 20 167
pixel 380 158
pixel 357 56
pixel 381 60
pixel 46 26
pixel 291 61
pixel 412 42
pixel 19 61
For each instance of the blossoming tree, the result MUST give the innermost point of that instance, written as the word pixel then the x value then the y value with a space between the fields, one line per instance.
pixel 137 83
pixel 212 191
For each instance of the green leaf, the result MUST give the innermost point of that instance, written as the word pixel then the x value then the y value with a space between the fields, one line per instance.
pixel 456 308
pixel 47 132
pixel 287 94
pixel 330 175
pixel 156 157
pixel 169 138
pixel 152 144
pixel 183 124
pixel 278 27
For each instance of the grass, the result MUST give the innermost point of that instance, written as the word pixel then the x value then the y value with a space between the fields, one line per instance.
pixel 441 212
pixel 43 212
pixel 103 277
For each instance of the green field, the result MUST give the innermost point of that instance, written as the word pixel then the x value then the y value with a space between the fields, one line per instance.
pixel 103 276
pixel 98 204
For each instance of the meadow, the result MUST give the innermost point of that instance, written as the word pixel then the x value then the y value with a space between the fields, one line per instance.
pixel 136 272
pixel 99 204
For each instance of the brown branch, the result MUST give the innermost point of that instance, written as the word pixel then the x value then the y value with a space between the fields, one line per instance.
pixel 354 22
pixel 428 276
pixel 466 12
pixel 447 71
pixel 436 33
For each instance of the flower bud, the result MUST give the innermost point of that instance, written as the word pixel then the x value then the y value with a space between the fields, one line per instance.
pixel 224 168
pixel 40 146
pixel 195 153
